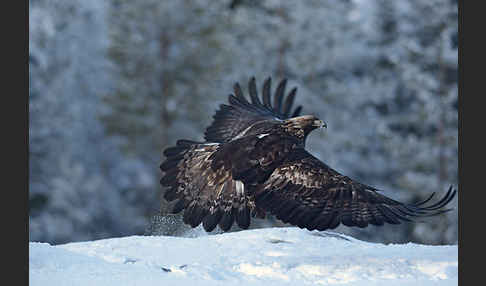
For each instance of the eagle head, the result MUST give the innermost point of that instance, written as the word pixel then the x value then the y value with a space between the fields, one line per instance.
pixel 301 126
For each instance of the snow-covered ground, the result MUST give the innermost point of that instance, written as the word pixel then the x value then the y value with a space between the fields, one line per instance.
pixel 273 256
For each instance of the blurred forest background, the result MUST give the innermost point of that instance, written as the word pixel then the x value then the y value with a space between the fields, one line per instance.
pixel 112 83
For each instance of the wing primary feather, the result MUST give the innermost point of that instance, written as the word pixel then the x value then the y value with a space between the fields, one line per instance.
pixel 376 217
pixel 169 177
pixel 335 221
pixel 279 94
pixel 187 217
pixel 266 93
pixel 289 101
pixel 390 217
pixel 236 101
pixel 226 220
pixel 252 89
pixel 171 163
pixel 243 217
pixel 399 214
pixel 323 212
pixel 186 143
pixel 284 209
pixel 264 199
pixel 424 201
pixel 424 211
pixel 211 220
pixel 439 212
pixel 297 214
pixel 199 214
pixel 297 111
pixel 402 209
pixel 338 209
pixel 309 217
pixel 415 210
pixel 173 151
pixel 444 201
pixel 171 194
pixel 324 221
pixel 238 92
pixel 178 206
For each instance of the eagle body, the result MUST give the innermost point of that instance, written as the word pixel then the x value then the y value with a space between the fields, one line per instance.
pixel 253 162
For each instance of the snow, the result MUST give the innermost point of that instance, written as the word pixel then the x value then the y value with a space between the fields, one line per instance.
pixel 271 256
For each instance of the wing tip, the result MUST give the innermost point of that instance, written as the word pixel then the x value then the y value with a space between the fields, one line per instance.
pixel 277 108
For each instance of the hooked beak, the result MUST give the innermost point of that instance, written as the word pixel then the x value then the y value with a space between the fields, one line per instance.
pixel 306 121
pixel 319 124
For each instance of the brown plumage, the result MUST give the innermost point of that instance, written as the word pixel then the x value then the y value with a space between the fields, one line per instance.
pixel 254 162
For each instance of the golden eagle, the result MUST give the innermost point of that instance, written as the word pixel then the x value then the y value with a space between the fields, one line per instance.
pixel 254 162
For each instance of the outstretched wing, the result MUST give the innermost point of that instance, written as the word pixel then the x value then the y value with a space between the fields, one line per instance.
pixel 209 196
pixel 210 181
pixel 231 120
pixel 307 193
